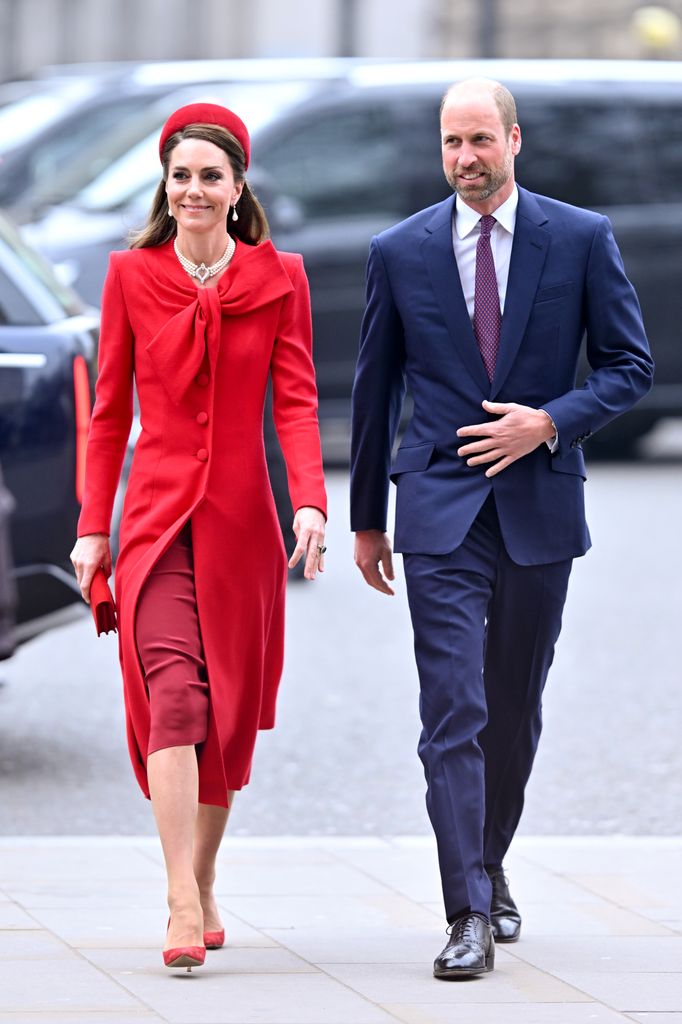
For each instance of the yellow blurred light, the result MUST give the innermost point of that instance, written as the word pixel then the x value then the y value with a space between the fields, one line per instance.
pixel 656 27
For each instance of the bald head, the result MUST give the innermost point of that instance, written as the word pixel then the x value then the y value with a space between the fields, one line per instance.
pixel 478 89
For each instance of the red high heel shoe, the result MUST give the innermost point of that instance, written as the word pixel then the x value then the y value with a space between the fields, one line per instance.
pixel 214 940
pixel 184 956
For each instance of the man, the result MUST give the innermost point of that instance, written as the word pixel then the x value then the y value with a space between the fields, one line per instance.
pixel 479 304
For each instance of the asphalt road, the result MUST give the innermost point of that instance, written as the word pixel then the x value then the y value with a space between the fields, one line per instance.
pixel 343 757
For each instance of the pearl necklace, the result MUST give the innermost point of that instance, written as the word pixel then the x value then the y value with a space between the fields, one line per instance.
pixel 200 270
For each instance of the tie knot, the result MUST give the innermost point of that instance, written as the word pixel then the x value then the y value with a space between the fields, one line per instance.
pixel 487 223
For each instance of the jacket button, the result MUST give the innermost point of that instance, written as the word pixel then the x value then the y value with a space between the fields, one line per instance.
pixel 202 379
pixel 202 455
pixel 202 418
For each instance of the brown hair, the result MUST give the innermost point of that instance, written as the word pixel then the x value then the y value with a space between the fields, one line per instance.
pixel 252 226
pixel 504 101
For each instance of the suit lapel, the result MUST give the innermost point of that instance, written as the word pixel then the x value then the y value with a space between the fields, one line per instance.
pixel 529 251
pixel 438 253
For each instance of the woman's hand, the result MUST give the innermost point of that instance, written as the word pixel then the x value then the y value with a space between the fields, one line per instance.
pixel 309 526
pixel 89 553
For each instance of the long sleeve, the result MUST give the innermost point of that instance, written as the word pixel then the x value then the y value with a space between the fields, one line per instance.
pixel 113 412
pixel 617 349
pixel 295 397
pixel 378 395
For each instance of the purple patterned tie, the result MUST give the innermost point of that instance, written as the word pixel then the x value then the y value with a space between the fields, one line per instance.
pixel 487 316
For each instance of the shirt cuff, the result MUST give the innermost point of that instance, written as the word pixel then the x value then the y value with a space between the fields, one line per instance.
pixel 553 442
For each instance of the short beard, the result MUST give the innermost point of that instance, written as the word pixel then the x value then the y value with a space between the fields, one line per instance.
pixel 479 193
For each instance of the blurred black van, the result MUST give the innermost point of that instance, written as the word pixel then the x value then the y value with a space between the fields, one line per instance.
pixel 365 153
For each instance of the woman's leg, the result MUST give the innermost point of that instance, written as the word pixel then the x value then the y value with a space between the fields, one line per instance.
pixel 210 826
pixel 174 785
pixel 169 643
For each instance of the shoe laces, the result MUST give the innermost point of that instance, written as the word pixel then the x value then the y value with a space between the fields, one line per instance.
pixel 463 929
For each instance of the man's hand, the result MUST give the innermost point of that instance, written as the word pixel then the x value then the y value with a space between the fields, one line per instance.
pixel 371 548
pixel 519 431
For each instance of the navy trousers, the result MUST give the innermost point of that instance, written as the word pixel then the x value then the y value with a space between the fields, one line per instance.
pixel 484 636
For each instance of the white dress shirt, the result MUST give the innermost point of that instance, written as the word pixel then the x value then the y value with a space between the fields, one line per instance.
pixel 465 234
pixel 466 231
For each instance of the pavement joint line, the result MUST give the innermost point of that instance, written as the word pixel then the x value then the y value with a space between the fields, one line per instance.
pixel 81 956
pixel 562 981
pixel 574 880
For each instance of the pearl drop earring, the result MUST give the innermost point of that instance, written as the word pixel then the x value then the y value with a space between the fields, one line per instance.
pixel 169 212
pixel 235 215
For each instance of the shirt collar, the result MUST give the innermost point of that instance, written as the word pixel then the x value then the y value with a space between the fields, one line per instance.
pixel 467 219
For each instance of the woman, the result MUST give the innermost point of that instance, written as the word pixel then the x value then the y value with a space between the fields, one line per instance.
pixel 200 312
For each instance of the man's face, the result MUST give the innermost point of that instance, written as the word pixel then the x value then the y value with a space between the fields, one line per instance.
pixel 478 155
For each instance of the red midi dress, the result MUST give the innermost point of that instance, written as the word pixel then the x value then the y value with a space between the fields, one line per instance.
pixel 200 359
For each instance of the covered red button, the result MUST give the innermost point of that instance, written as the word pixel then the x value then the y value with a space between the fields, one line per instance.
pixel 202 455
pixel 202 379
pixel 202 418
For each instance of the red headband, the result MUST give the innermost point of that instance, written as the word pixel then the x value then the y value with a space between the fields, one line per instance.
pixel 206 113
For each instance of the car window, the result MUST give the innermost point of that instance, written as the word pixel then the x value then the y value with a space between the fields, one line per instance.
pixel 48 298
pixel 48 159
pixel 15 309
pixel 579 151
pixel 21 120
pixel 338 162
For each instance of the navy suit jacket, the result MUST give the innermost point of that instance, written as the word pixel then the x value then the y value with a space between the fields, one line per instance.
pixel 566 281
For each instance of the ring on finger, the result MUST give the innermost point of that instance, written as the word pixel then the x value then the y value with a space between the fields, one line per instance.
pixel 321 549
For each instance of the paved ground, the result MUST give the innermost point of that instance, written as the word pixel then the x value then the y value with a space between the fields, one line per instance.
pixel 338 931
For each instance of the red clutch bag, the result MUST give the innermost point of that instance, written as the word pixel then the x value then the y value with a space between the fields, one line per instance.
pixel 102 604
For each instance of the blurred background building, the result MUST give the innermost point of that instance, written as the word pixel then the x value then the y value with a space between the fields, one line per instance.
pixel 34 33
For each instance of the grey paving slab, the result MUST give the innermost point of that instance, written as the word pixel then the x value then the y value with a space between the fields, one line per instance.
pixel 389 909
pixel 14 916
pixel 48 985
pixel 88 893
pixel 216 995
pixel 598 918
pixel 535 883
pixel 631 992
pixel 507 1013
pixel 511 982
pixel 239 932
pixel 656 1018
pixel 608 855
pixel 229 960
pixel 412 871
pixel 27 862
pixel 656 895
pixel 31 945
pixel 87 1017
pixel 367 944
pixel 304 879
pixel 122 926
pixel 603 954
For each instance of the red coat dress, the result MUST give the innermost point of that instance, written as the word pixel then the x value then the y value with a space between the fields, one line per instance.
pixel 200 358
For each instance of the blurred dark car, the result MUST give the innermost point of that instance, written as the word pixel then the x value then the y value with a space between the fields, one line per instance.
pixel 69 121
pixel 48 343
pixel 361 151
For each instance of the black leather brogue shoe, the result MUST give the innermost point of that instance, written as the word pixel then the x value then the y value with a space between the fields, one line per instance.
pixel 470 949
pixel 504 915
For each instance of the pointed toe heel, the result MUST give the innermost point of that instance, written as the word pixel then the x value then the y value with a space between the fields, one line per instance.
pixel 185 956
pixel 214 940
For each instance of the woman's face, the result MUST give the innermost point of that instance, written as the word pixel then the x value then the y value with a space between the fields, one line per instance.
pixel 200 186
